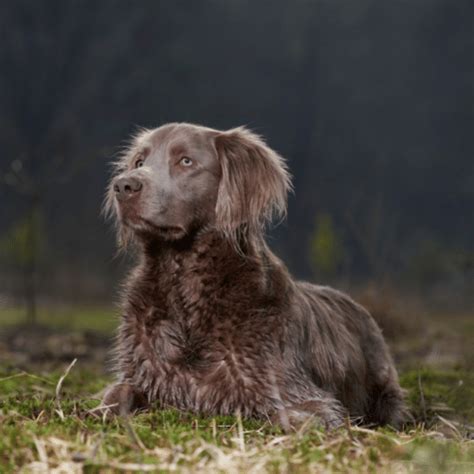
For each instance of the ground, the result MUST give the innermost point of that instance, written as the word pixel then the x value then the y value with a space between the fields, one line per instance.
pixel 48 423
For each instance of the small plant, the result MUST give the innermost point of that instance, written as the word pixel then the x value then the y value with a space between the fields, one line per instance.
pixel 22 247
pixel 326 248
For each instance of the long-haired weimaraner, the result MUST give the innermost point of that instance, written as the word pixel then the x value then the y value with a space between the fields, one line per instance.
pixel 212 321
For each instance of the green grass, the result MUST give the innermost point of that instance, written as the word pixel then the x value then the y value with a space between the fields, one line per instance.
pixel 440 392
pixel 72 318
pixel 40 432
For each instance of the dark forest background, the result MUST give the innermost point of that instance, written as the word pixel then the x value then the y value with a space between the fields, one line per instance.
pixel 371 102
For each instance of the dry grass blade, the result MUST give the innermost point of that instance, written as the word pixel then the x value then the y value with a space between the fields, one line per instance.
pixel 133 435
pixel 41 450
pixel 62 378
pixel 99 410
pixel 277 441
pixel 375 433
pixel 240 431
pixel 306 425
pixel 450 425
pixel 129 466
pixel 80 457
pixel 422 399
pixel 214 429
pixel 347 424
pixel 59 385
pixel 26 374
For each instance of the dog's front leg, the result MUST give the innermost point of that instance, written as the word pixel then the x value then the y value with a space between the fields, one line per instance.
pixel 123 398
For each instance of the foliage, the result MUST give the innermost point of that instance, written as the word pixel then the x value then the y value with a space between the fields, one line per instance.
pixel 40 431
pixel 23 242
pixel 326 247
pixel 432 262
pixel 357 95
pixel 440 392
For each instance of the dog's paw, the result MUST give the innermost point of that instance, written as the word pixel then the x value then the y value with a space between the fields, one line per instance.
pixel 121 399
pixel 327 414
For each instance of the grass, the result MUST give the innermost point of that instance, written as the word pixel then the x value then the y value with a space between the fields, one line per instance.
pixel 440 392
pixel 102 320
pixel 47 424
pixel 40 432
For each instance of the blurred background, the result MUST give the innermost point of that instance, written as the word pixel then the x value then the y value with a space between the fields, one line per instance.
pixel 370 101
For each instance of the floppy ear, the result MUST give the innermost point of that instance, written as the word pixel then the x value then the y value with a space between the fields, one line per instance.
pixel 254 182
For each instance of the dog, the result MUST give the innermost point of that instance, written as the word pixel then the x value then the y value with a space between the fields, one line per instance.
pixel 212 321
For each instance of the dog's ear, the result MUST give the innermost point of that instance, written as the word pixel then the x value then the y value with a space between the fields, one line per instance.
pixel 254 182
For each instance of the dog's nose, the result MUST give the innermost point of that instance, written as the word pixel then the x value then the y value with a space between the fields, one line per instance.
pixel 125 188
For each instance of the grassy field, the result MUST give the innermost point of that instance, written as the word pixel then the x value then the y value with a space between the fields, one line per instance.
pixel 101 320
pixel 48 423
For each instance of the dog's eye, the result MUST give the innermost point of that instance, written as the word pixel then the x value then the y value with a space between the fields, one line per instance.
pixel 139 163
pixel 186 161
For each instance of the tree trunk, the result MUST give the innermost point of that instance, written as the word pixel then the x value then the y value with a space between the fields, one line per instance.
pixel 30 274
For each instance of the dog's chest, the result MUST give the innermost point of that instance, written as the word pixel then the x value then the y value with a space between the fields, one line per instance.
pixel 200 345
pixel 207 368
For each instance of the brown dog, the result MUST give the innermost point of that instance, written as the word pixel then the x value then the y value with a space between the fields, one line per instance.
pixel 212 321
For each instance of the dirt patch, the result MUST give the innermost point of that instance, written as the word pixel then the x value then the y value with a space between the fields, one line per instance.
pixel 24 346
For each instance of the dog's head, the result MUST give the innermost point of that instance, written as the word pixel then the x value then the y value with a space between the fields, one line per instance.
pixel 180 178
